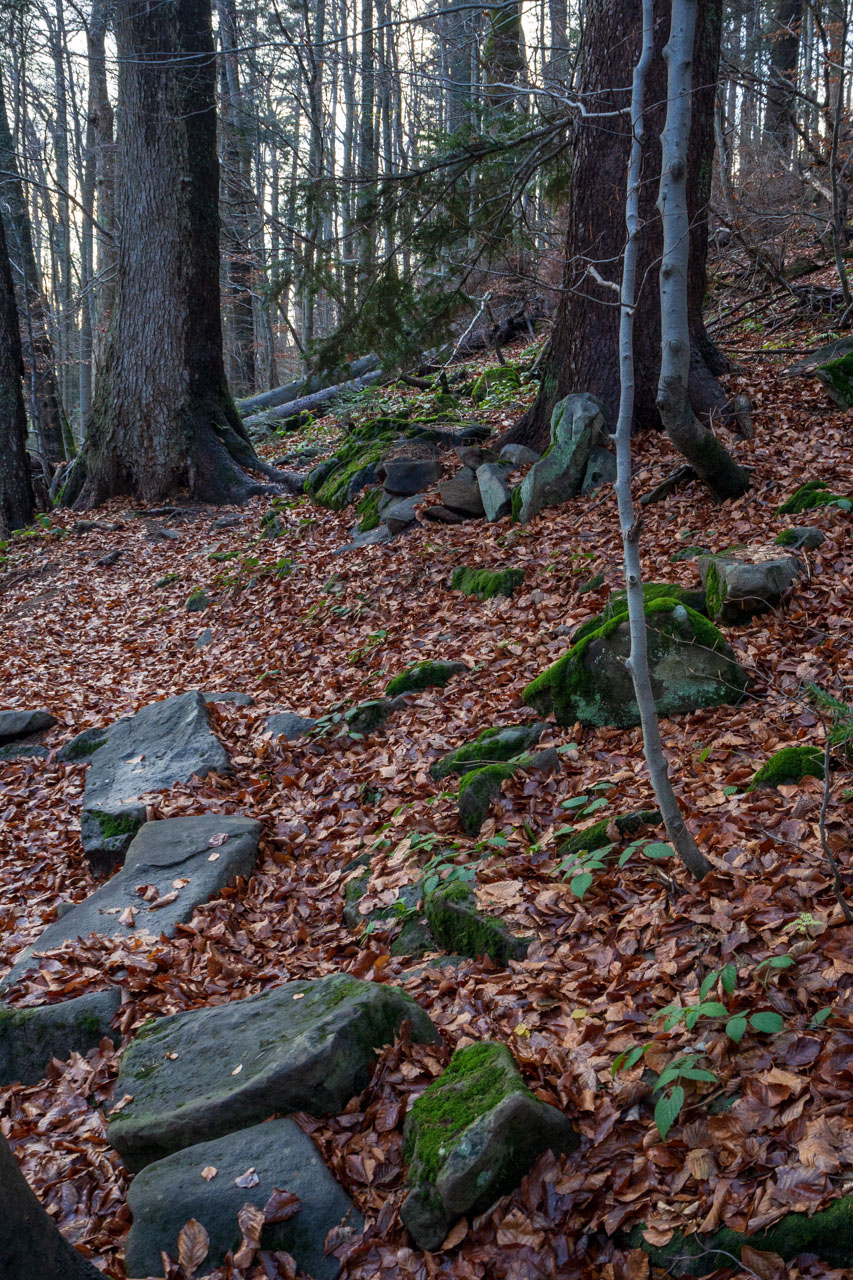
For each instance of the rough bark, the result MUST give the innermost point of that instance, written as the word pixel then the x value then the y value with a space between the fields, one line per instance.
pixel 163 417
pixel 16 490
pixel 584 352
pixel 101 130
pixel 307 386
pixel 30 1242
pixel 48 418
pixel 779 113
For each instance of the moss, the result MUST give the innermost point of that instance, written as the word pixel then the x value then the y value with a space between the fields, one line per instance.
pixel 787 538
pixel 505 375
pixel 828 1235
pixel 478 1078
pixel 198 601
pixel 119 824
pixel 814 493
pixel 591 584
pixel 369 715
pixel 789 765
pixel 516 503
pixel 596 836
pixel 568 685
pixel 486 584
pixel 368 510
pixel 89 1023
pixel 714 591
pixel 83 746
pixel 689 553
pixel 617 605
pixel 837 375
pixel 424 675
pixel 167 580
pixel 491 746
pixel 477 790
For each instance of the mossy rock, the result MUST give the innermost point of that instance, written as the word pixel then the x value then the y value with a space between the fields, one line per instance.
pixel 485 584
pixel 504 376
pixel 828 1235
pixel 790 765
pixel 691 667
pixel 492 746
pixel 617 604
pixel 30 1037
pixel 424 675
pixel 369 716
pixel 336 482
pixel 198 602
pixel 368 510
pixel 477 790
pixel 806 538
pixel 814 493
pixel 461 929
pixel 591 584
pixel 836 377
pixel 471 1137
pixel 597 836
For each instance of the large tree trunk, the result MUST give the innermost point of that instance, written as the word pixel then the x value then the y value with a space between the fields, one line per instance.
pixel 31 1247
pixel 584 353
pixel 163 417
pixel 780 111
pixel 48 418
pixel 16 490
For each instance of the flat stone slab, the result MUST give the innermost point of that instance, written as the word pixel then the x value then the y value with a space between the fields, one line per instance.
pixel 177 863
pixel 29 1038
pixel 20 724
pixel 289 725
pixel 303 1046
pixel 163 744
pixel 168 1193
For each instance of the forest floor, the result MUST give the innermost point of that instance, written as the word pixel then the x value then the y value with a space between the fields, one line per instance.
pixel 96 642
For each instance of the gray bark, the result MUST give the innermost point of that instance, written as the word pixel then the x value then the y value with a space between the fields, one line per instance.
pixel 307 386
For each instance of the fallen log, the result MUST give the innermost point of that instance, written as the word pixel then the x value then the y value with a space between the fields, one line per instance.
pixel 313 403
pixel 307 386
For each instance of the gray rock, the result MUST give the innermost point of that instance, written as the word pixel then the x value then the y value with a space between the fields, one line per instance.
pixel 472 456
pixel 204 639
pixel 399 515
pixel 471 433
pixel 236 698
pixel 405 476
pixel 600 469
pixel 577 424
pixel 21 724
pixel 168 1193
pixel 304 1046
pixel 165 743
pixel 461 929
pixel 360 480
pixel 23 751
pixel 519 455
pixel 494 490
pixel 288 725
pixel 370 539
pixel 198 602
pixel 463 497
pixel 739 586
pixel 161 853
pixel 500 1130
pixel 30 1037
pixel 805 538
pixel 439 514
pixel 369 716
pixel 228 522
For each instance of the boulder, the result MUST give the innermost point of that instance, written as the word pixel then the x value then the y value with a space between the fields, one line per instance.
pixel 288 725
pixel 600 469
pixel 198 602
pixel 519 455
pixel 440 514
pixel 471 433
pixel 166 1194
pixel 424 675
pixel 163 744
pixel 485 584
pixel 21 724
pixel 23 751
pixel 471 1137
pixel 303 1046
pixel 367 717
pixel 738 586
pixel 463 497
pixel 617 604
pixel 836 378
pixel 806 538
pixel 461 929
pixel 203 853
pixel 203 639
pixel 690 662
pixel 492 746
pixel 494 490
pixel 406 476
pixel 30 1037
pixel 577 425
pixel 398 515
pixel 608 831
pixel 372 538
pixel 503 376
pixel 472 456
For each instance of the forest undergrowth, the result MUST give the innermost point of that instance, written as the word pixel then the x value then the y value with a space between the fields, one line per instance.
pixel 297 626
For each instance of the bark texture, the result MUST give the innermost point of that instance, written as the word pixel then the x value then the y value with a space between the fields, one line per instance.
pixel 30 1242
pixel 163 417
pixel 16 490
pixel 584 353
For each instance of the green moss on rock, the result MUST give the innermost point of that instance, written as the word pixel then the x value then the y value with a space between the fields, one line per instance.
pixel 596 836
pixel 478 1078
pixel 814 493
pixel 477 790
pixel 424 675
pixel 368 510
pixel 504 376
pixel 789 765
pixel 516 503
pixel 617 605
pixel 486 584
pixel 492 746
pixel 460 929
pixel 114 825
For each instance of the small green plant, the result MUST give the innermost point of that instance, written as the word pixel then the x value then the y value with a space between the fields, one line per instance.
pixel 373 641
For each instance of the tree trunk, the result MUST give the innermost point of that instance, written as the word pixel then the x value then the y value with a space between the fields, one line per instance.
pixel 16 490
pixel 503 58
pixel 30 1242
pixel 779 113
pixel 101 123
pixel 48 419
pixel 163 417
pixel 584 352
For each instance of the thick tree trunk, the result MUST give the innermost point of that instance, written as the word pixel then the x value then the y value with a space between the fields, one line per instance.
pixel 779 113
pixel 16 490
pixel 101 124
pixel 48 418
pixel 163 417
pixel 31 1246
pixel 584 352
